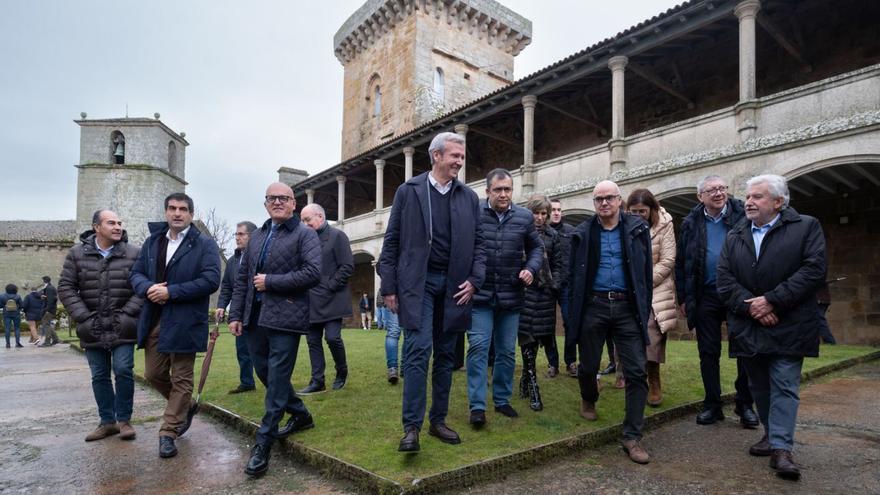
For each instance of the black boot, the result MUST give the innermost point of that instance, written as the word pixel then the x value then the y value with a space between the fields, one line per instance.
pixel 534 392
pixel 524 380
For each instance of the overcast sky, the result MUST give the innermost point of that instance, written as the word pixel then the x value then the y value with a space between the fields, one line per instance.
pixel 254 84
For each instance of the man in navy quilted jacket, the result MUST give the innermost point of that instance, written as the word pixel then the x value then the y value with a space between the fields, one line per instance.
pixel 270 306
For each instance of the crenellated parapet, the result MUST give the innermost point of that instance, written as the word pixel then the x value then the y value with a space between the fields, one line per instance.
pixel 483 19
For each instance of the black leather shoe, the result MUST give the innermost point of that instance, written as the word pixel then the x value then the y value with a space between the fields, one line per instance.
pixel 747 417
pixel 295 424
pixel 313 388
pixel 478 418
pixel 193 409
pixel 762 448
pixel 258 464
pixel 410 440
pixel 608 369
pixel 782 462
pixel 241 389
pixel 339 382
pixel 506 410
pixel 166 447
pixel 710 416
pixel 444 434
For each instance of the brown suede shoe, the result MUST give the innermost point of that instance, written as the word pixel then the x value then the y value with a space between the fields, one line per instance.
pixel 126 431
pixel 762 448
pixel 588 411
pixel 782 462
pixel 102 431
pixel 635 451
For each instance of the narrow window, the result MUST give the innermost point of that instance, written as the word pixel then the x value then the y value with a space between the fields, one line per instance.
pixel 439 85
pixel 377 102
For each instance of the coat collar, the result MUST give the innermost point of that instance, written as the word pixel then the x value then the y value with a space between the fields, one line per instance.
pixel 289 224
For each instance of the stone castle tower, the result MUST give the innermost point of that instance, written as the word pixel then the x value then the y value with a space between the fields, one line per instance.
pixel 128 165
pixel 410 61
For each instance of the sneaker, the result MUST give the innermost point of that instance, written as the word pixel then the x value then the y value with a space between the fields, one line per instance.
pixel 102 431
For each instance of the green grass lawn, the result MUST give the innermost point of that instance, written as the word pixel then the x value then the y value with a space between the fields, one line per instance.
pixel 361 423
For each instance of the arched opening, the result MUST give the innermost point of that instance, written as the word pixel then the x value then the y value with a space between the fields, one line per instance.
pixel 117 148
pixel 172 157
pixel 363 280
pixel 439 86
pixel 576 216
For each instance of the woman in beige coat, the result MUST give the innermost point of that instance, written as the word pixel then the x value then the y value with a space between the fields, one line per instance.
pixel 641 202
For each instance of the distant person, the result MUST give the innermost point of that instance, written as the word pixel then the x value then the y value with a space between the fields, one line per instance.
pixel 33 309
pixel 823 298
pixel 12 304
pixel 365 308
pixel 329 301
pixel 50 308
pixel 95 290
pixel 242 354
pixel 381 310
pixel 177 271
pixel 769 271
pixel 565 232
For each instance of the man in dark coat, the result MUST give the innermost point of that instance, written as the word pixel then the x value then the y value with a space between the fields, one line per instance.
pixel 431 265
pixel 242 354
pixel 270 306
pixel 770 269
pixel 611 279
pixel 514 253
pixel 33 310
pixel 95 290
pixel 565 232
pixel 700 241
pixel 50 308
pixel 177 271
pixel 329 301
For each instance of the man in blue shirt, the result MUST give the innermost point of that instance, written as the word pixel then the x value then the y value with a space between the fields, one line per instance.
pixel 702 236
pixel 611 280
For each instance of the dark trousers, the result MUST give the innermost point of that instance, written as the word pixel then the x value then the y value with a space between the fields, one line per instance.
pixel 550 349
pixel 245 366
pixel 418 346
pixel 273 353
pixel 710 314
pixel 824 330
pixel 332 332
pixel 570 350
pixel 616 318
pixel 459 352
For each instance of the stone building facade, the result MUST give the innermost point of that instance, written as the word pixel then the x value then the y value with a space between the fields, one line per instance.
pixel 728 87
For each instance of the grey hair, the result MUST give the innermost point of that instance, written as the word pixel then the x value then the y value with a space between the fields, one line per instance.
pixel 439 143
pixel 497 173
pixel 702 183
pixel 318 208
pixel 249 226
pixel 776 184
pixel 96 216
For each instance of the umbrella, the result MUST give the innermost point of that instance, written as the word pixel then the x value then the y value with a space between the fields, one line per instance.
pixel 206 364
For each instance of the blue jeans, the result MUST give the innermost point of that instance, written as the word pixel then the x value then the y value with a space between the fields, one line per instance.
pixel 490 324
pixel 392 337
pixel 774 382
pixel 418 345
pixel 113 405
pixel 381 315
pixel 245 366
pixel 12 322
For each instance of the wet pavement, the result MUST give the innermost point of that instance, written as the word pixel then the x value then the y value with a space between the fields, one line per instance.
pixel 47 408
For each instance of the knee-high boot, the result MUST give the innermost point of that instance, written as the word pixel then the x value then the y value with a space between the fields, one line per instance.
pixel 524 379
pixel 655 392
pixel 535 402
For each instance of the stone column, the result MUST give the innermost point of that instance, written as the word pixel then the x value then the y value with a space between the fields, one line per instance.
pixel 746 109
pixel 340 180
pixel 310 196
pixel 380 183
pixel 528 173
pixel 461 130
pixel 616 144
pixel 408 153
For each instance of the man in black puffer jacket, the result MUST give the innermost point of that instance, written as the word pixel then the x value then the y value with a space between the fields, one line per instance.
pixel 510 235
pixel 270 304
pixel 95 290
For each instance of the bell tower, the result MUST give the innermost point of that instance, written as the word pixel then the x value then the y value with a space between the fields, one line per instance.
pixel 410 61
pixel 128 165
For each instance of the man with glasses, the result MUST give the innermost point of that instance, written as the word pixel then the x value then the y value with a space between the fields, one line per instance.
pixel 702 236
pixel 270 307
pixel 611 281
pixel 245 366
pixel 177 270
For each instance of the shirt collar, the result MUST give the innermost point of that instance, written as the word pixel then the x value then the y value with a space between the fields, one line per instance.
pixel 766 226
pixel 441 189
pixel 720 215
pixel 180 236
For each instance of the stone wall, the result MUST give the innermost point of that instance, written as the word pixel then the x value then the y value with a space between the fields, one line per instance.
pixel 25 264
pixel 146 143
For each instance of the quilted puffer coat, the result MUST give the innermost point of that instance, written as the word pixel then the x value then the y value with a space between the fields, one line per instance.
pixel 663 256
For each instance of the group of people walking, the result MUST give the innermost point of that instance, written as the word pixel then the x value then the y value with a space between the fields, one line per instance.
pixel 452 265
pixel 39 308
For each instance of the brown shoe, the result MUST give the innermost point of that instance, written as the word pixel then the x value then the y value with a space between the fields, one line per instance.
pixel 762 448
pixel 635 451
pixel 102 431
pixel 782 462
pixel 620 382
pixel 655 393
pixel 126 431
pixel 588 411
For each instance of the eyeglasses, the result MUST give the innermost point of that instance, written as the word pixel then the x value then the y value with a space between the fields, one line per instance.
pixel 605 199
pixel 241 234
pixel 715 190
pixel 280 199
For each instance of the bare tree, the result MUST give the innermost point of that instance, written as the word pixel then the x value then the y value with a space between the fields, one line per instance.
pixel 218 228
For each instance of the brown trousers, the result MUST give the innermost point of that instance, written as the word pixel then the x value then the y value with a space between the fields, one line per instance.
pixel 172 376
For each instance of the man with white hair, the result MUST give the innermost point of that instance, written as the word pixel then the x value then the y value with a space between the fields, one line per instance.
pixel 769 271
pixel 329 301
